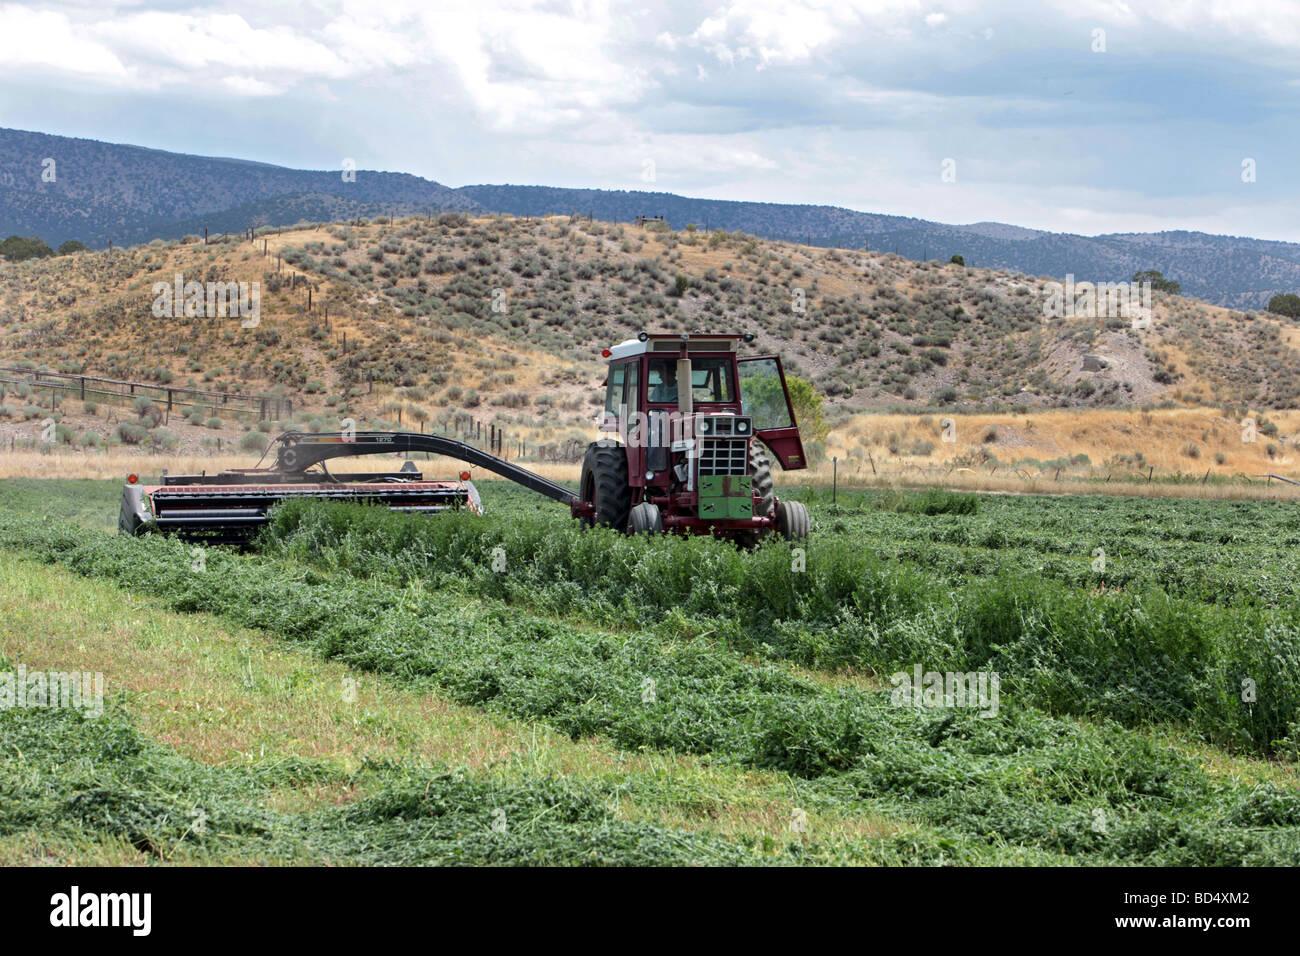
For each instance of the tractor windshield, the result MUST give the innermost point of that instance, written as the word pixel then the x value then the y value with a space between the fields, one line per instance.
pixel 711 380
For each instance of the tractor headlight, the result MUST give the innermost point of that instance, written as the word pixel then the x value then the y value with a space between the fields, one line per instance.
pixel 742 427
pixel 706 426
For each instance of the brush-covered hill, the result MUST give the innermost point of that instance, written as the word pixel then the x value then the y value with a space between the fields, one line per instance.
pixel 127 194
pixel 503 320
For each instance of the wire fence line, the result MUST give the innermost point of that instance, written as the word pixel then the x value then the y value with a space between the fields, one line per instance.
pixel 122 392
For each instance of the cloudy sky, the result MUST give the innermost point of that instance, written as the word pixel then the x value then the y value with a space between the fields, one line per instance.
pixel 1072 115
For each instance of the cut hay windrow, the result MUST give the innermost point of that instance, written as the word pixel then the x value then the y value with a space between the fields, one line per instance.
pixel 964 776
pixel 1137 655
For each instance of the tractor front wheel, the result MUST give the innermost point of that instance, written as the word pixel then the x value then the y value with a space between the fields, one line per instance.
pixel 605 485
pixel 792 520
pixel 645 519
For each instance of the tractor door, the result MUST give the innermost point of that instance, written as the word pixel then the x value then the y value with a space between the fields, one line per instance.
pixel 765 398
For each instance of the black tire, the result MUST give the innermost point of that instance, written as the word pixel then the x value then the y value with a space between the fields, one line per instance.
pixel 604 484
pixel 792 520
pixel 760 470
pixel 645 519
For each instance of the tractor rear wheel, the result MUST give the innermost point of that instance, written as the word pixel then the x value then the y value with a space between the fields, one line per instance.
pixel 645 519
pixel 604 484
pixel 792 520
pixel 760 471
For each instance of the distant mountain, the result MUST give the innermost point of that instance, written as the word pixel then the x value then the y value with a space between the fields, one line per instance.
pixel 130 194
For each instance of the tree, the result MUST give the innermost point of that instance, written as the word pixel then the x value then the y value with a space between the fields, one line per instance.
pixel 680 285
pixel 807 402
pixel 1158 281
pixel 18 248
pixel 1287 303
pixel 958 260
pixel 763 400
pixel 71 246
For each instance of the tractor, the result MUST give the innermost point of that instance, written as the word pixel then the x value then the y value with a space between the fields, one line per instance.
pixel 694 427
pixel 695 430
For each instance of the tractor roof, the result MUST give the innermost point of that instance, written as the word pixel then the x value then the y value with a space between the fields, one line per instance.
pixel 670 343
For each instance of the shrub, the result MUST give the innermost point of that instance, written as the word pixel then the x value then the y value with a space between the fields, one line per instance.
pixel 1288 303
pixel 131 433
pixel 214 422
pixel 254 441
pixel 165 439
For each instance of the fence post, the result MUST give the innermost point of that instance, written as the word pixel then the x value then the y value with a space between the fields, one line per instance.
pixel 83 388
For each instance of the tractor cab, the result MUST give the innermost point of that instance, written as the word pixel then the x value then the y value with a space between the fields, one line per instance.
pixel 691 426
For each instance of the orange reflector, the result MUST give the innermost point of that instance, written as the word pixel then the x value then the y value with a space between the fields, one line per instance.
pixel 605 353
pixel 132 479
pixel 464 476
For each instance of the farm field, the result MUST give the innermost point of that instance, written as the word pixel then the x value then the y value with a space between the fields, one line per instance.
pixel 364 687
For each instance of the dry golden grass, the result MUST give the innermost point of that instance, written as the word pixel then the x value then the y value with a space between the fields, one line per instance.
pixel 115 463
pixel 1161 435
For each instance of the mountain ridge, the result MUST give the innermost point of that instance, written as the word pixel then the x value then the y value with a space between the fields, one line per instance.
pixel 124 194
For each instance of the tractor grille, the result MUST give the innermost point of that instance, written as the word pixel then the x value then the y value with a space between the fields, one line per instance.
pixel 724 456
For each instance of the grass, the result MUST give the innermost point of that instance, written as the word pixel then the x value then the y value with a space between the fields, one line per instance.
pixel 1023 788
pixel 1135 654
pixel 230 697
pixel 101 784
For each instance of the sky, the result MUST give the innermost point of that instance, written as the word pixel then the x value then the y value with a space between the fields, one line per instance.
pixel 1087 116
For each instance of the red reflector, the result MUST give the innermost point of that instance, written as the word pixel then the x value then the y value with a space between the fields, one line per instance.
pixel 464 476
pixel 132 479
pixel 604 353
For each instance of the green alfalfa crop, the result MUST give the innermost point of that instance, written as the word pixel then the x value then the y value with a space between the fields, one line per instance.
pixel 1138 656
pixel 855 745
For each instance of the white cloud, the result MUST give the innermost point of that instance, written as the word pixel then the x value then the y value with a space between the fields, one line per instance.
pixel 197 44
pixel 44 40
pixel 249 86
pixel 725 95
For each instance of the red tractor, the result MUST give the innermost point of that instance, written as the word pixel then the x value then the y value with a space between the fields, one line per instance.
pixel 697 427
pixel 687 412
